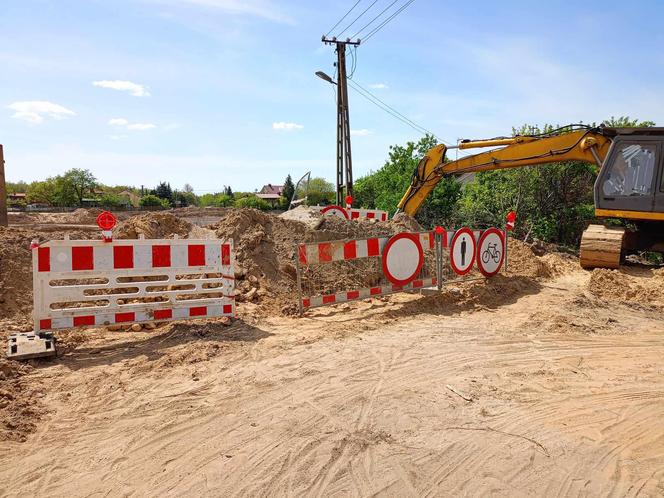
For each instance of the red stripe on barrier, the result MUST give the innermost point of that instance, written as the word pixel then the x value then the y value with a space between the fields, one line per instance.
pixel 198 311
pixel 432 239
pixel 225 254
pixel 161 256
pixel 44 259
pixel 354 215
pixel 123 257
pixel 434 281
pixel 375 291
pixel 371 214
pixel 352 294
pixel 306 303
pixel 228 308
pixel 397 288
pixel 163 314
pixel 302 254
pixel 350 250
pixel 324 252
pixel 125 317
pixel 417 284
pixel 329 298
pixel 45 324
pixel 383 217
pixel 196 255
pixel 373 249
pixel 82 258
pixel 82 321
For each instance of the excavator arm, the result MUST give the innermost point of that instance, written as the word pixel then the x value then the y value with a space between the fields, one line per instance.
pixel 587 144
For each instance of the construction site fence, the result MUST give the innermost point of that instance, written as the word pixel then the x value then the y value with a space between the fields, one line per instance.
pixel 339 271
pixel 84 283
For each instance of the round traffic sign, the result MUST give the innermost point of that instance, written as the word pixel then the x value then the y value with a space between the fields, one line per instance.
pixel 106 220
pixel 462 251
pixel 349 200
pixel 335 210
pixel 491 252
pixel 403 258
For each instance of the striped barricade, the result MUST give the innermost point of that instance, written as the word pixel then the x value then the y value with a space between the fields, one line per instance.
pixel 378 266
pixel 347 270
pixel 351 213
pixel 95 283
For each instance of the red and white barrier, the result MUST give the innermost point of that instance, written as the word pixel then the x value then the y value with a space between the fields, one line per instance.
pixel 350 213
pixel 345 250
pixel 96 283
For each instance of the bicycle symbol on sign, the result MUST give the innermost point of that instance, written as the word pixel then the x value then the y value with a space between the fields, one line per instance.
pixel 491 252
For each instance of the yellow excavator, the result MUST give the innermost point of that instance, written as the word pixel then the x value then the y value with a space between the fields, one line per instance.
pixel 629 185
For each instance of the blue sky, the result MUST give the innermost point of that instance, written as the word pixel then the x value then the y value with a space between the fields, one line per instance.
pixel 210 81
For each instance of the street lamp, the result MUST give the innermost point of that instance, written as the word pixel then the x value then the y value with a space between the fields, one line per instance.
pixel 325 77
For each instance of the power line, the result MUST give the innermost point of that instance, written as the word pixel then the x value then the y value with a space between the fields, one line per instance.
pixel 370 22
pixel 390 110
pixel 363 12
pixel 344 17
pixel 380 26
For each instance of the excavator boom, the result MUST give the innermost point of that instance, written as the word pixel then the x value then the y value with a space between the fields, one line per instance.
pixel 588 145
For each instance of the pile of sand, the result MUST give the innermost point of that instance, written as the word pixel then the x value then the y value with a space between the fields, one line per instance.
pixel 637 285
pixel 526 261
pixel 153 225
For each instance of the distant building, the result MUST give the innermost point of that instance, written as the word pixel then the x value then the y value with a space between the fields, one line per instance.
pixel 17 197
pixel 271 193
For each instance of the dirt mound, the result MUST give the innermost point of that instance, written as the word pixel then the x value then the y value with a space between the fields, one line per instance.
pixel 637 285
pixel 265 247
pixel 19 408
pixel 155 225
pixel 524 261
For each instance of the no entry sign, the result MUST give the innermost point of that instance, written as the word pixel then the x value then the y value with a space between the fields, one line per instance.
pixel 462 251
pixel 335 210
pixel 491 252
pixel 403 258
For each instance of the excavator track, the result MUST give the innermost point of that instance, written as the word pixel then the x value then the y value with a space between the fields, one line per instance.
pixel 602 247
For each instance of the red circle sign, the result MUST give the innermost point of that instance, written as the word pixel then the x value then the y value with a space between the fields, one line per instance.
pixel 349 200
pixel 335 210
pixel 491 252
pixel 403 258
pixel 462 257
pixel 106 220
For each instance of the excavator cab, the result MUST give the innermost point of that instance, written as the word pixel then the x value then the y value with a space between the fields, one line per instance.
pixel 630 184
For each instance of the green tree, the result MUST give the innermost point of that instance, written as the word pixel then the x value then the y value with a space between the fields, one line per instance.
pixel 320 192
pixel 164 191
pixel 81 181
pixel 215 200
pixel 56 191
pixel 384 188
pixel 289 189
pixel 152 200
pixel 253 202
pixel 626 122
pixel 113 201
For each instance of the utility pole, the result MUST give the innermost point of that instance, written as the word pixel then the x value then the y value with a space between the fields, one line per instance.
pixel 3 191
pixel 344 156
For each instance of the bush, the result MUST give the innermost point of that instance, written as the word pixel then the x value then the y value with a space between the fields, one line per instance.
pixel 152 200
pixel 215 200
pixel 112 201
pixel 253 202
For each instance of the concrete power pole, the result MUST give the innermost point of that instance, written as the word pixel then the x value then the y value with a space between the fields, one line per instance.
pixel 3 191
pixel 344 156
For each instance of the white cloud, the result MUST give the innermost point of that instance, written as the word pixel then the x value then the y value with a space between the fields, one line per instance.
pixel 362 132
pixel 124 86
pixel 122 122
pixel 34 111
pixel 282 125
pixel 118 122
pixel 378 86
pixel 257 8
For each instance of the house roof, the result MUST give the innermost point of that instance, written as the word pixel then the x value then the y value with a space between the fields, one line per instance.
pixel 272 189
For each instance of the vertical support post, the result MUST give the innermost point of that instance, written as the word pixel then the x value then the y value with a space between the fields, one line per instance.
pixel 4 221
pixel 341 62
pixel 439 260
pixel 299 279
pixel 343 90
pixel 507 239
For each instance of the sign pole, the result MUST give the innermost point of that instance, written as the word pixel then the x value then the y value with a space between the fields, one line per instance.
pixel 4 221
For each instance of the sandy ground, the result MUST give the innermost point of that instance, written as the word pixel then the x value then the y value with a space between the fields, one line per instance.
pixel 566 399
